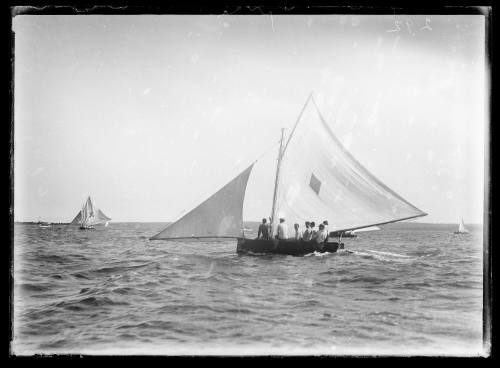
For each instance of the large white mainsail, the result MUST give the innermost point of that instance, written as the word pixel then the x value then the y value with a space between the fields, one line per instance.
pixel 90 215
pixel 320 180
pixel 220 216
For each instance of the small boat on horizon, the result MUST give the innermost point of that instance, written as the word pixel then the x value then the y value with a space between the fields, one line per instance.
pixel 461 228
pixel 316 178
pixel 43 224
pixel 90 216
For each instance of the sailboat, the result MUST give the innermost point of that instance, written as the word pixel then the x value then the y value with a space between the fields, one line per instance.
pixel 43 224
pixel 461 228
pixel 90 216
pixel 316 179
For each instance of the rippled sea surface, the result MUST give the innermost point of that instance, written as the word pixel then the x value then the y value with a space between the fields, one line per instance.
pixel 407 289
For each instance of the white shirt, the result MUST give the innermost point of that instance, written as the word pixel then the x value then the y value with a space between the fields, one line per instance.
pixel 320 236
pixel 282 231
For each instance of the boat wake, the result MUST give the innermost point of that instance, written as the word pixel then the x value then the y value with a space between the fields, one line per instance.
pixel 384 256
pixel 318 254
pixel 388 253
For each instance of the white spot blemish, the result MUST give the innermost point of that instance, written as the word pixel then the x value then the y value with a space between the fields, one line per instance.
pixel 37 171
pixel 195 58
pixel 347 140
pixel 196 135
pixel 396 41
pixel 325 74
pixel 414 91
pixel 42 192
pixel 430 155
pixel 215 113
pixel 373 116
pixel 380 61
pixel 427 26
pixel 146 91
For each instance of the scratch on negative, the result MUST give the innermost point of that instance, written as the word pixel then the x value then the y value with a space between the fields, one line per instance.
pixel 261 12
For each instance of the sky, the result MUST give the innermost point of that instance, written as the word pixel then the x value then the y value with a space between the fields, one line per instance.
pixel 151 114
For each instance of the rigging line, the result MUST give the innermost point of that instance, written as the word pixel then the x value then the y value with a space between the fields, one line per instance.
pixel 267 151
pixel 240 165
pixel 184 211
pixel 358 164
pixel 297 122
pixel 380 223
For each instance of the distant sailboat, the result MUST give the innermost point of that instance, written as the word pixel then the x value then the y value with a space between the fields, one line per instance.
pixel 461 228
pixel 316 179
pixel 89 216
pixel 43 224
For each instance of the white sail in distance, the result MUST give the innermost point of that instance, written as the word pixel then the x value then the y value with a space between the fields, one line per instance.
pixel 90 215
pixel 461 227
pixel 220 216
pixel 320 180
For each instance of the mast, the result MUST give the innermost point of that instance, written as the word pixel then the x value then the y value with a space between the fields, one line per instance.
pixel 280 155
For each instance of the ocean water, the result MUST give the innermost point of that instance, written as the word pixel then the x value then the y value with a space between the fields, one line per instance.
pixel 408 289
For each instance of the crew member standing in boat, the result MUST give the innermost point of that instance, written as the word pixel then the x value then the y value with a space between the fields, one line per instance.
pixel 298 233
pixel 320 237
pixel 307 235
pixel 282 230
pixel 325 223
pixel 263 230
pixel 313 230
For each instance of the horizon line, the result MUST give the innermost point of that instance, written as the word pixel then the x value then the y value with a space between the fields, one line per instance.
pixel 258 221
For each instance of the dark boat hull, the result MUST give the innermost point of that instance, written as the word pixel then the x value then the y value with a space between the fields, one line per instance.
pixel 288 247
pixel 345 234
pixel 86 228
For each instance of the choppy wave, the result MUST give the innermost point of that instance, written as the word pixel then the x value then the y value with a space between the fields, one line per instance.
pixel 78 292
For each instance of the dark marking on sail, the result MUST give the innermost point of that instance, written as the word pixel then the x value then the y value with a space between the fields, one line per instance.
pixel 315 184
